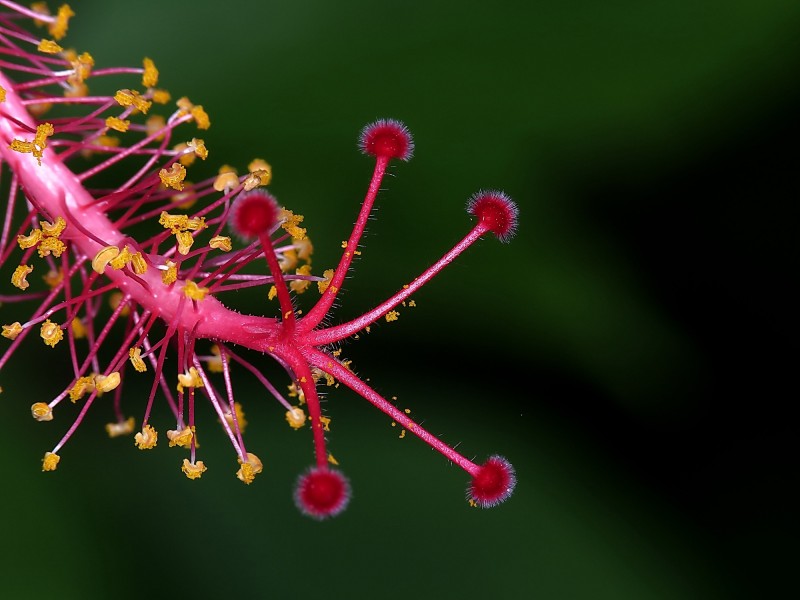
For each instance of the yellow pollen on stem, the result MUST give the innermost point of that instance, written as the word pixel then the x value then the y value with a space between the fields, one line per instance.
pixel 78 328
pixel 49 47
pixel 249 468
pixel 150 75
pixel 50 461
pixel 174 176
pixel 161 96
pixel 325 422
pixel 18 278
pixel 215 362
pixel 323 285
pixel 192 291
pixel 180 437
pixel 290 224
pixel 190 378
pixel 12 331
pixel 38 145
pixel 392 315
pixel 239 413
pixel 84 385
pixel 107 383
pixel 198 146
pixel 58 29
pixel 121 428
pixel 103 257
pixel 29 241
pixel 51 333
pixel 174 223
pixel 296 417
pixel 118 124
pixel 146 439
pixel 121 260
pixel 200 117
pixel 193 470
pixel 170 275
pixel 42 411
pixel 132 98
pixel 138 263
pixel 220 242
pixel 51 245
pixel 136 359
pixel 2 94
pixel 301 285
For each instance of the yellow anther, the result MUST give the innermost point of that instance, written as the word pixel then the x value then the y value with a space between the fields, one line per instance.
pixel 200 117
pixel 332 460
pixel 51 245
pixel 107 141
pixel 50 461
pixel 81 68
pixel 249 469
pixel 155 124
pixel 150 75
pixel 263 169
pixel 290 222
pixel 174 176
pixel 49 47
pixel 193 292
pixel 53 278
pixel 53 229
pixel 198 146
pixel 132 98
pixel 37 109
pixel 220 242
pixel 118 124
pixel 304 248
pixel 185 199
pixel 196 224
pixel 121 427
pixel 58 28
pixel 115 299
pixel 136 359
pixel 273 292
pixel 296 417
pixel 41 411
pixel 325 422
pixel 252 181
pixel 51 333
pixel 102 258
pixel 301 285
pixel 323 285
pixel 185 241
pixel 18 278
pixel 78 328
pixel 138 263
pixel 170 276
pixel 226 181
pixel 190 379
pixel 240 420
pixel 174 223
pixel 185 156
pixel 38 145
pixel 146 439
pixel 161 96
pixel 185 105
pixel 42 9
pixel 121 260
pixel 215 362
pixel 2 94
pixel 180 437
pixel 392 315
pixel 12 331
pixel 193 470
pixel 107 383
pixel 83 386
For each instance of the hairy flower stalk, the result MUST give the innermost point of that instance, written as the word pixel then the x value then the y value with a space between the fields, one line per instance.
pixel 155 247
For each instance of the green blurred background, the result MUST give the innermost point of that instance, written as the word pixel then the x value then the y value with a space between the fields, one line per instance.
pixel 627 351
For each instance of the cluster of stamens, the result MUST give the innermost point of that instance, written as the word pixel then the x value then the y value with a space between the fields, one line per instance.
pixel 164 289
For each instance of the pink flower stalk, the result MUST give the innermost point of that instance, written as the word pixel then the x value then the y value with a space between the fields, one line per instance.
pixel 155 245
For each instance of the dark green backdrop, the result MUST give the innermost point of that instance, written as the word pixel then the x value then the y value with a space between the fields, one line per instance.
pixel 625 351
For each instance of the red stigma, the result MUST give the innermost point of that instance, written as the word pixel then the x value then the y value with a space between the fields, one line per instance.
pixel 254 214
pixel 387 138
pixel 493 483
pixel 496 211
pixel 322 493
